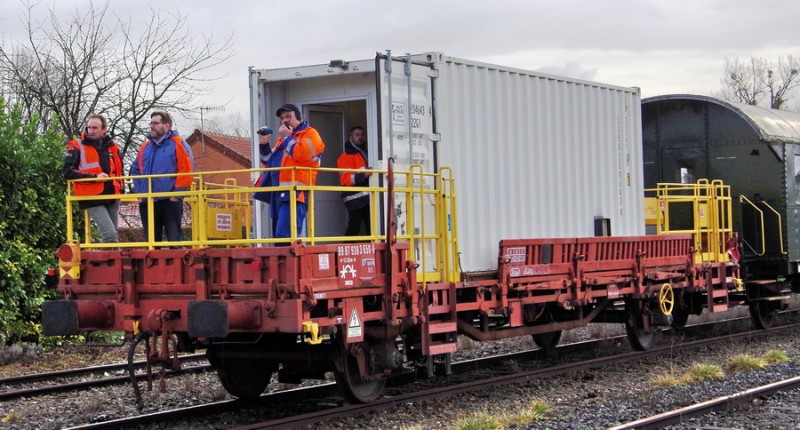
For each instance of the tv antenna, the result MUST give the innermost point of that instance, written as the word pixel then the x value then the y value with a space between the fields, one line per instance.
pixel 202 127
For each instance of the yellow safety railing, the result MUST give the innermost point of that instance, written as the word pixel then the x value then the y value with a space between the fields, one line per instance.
pixel 743 199
pixel 702 210
pixel 221 215
pixel 448 219
pixel 222 208
pixel 780 225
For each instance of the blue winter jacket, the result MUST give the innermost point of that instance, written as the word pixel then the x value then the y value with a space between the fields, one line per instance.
pixel 269 159
pixel 171 154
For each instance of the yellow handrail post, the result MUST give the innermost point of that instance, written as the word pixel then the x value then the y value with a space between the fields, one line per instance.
pixel 780 225
pixel 70 230
pixel 742 198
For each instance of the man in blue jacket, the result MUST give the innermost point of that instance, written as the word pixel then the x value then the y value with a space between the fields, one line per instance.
pixel 270 158
pixel 163 153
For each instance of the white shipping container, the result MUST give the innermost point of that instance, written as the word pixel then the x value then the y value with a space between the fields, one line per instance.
pixel 534 155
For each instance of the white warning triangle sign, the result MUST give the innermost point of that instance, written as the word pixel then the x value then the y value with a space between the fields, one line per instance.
pixel 354 321
pixel 354 328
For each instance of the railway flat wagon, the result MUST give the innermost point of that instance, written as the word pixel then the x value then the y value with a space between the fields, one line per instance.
pixel 521 248
pixel 363 310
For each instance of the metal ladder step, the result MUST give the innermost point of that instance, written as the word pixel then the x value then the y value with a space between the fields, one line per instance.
pixel 446 329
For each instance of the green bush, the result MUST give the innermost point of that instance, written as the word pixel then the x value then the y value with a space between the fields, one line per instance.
pixel 32 221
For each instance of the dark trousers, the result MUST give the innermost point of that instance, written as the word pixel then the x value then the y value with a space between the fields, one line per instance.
pixel 166 217
pixel 355 218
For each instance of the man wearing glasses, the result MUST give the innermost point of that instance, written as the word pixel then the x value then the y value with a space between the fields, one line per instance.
pixel 303 150
pixel 165 152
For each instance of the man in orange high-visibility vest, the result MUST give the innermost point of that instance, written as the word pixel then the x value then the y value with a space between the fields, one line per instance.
pixel 95 155
pixel 357 202
pixel 304 148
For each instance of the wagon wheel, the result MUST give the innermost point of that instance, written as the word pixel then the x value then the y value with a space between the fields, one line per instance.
pixel 762 313
pixel 639 338
pixel 680 316
pixel 352 387
pixel 245 378
pixel 547 341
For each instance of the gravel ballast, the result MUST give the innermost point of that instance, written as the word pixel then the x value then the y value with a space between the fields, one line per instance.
pixel 587 399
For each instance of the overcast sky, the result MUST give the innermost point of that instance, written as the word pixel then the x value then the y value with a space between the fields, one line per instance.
pixel 661 46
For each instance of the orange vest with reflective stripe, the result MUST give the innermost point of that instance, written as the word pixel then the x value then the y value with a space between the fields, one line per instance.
pixel 90 164
pixel 349 161
pixel 305 150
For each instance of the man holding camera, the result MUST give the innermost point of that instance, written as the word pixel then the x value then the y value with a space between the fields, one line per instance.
pixel 270 158
pixel 301 147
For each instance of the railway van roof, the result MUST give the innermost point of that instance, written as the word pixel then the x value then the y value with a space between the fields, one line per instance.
pixel 771 125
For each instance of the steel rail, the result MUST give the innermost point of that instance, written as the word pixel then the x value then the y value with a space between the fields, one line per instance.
pixel 676 416
pixel 67 373
pixel 81 385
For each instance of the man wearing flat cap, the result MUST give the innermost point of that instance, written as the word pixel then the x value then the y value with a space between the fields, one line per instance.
pixel 302 149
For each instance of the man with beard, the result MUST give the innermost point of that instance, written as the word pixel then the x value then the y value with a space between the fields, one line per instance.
pixel 95 155
pixel 357 202
pixel 165 152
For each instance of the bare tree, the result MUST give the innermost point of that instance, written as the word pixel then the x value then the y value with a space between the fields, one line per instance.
pixel 759 82
pixel 13 90
pixel 90 63
pixel 782 80
pixel 743 81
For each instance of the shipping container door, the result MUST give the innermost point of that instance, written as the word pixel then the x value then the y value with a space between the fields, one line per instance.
pixel 407 135
pixel 330 213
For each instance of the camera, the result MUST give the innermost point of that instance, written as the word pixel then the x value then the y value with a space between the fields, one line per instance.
pixel 264 131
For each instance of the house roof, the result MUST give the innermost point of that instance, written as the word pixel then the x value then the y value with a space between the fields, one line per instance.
pixel 236 147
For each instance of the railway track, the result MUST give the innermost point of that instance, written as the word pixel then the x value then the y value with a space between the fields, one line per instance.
pixel 324 406
pixel 493 381
pixel 753 396
pixel 10 383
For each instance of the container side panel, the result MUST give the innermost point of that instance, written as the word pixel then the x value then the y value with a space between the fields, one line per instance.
pixel 537 156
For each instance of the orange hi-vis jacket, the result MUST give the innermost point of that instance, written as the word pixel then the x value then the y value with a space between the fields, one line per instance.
pixel 353 157
pixel 350 161
pixel 90 164
pixel 304 149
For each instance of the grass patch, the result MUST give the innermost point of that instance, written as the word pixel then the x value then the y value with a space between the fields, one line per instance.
pixel 667 381
pixel 479 421
pixel 775 356
pixel 535 411
pixel 704 372
pixel 737 363
pixel 12 417
pixel 743 362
